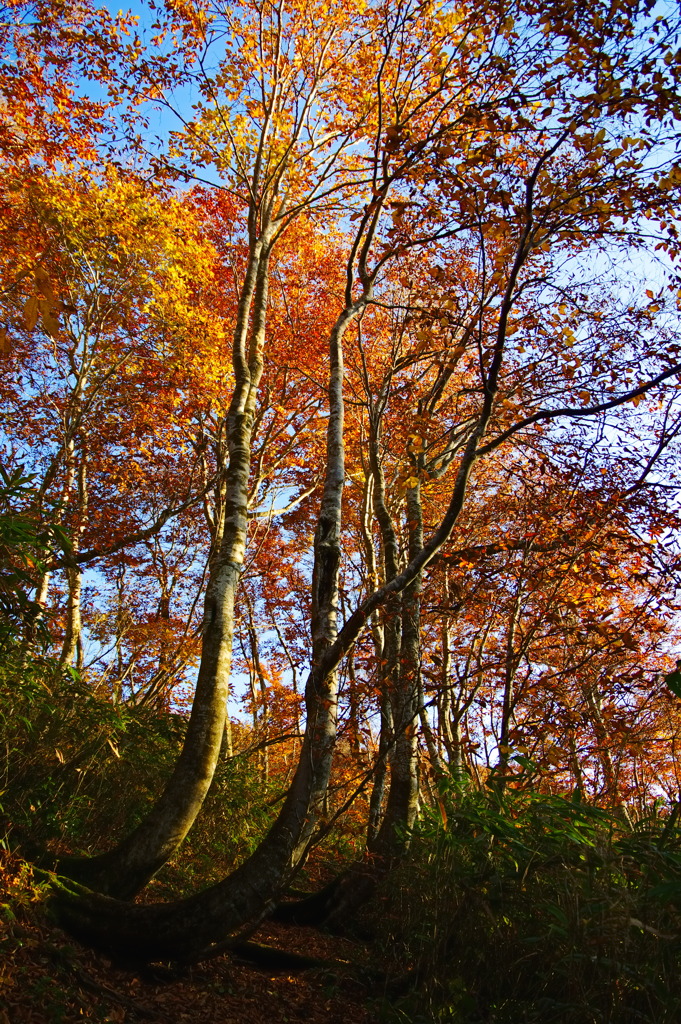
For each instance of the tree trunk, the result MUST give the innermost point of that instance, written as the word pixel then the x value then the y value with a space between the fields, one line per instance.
pixel 387 636
pixel 508 706
pixel 73 617
pixel 402 805
pixel 72 647
pixel 381 772
pixel 604 747
pixel 126 869
pixel 189 927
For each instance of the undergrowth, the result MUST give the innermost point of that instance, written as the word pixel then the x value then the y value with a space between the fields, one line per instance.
pixel 518 908
pixel 511 907
pixel 77 773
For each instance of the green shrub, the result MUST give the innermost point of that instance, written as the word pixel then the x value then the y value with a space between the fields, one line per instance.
pixel 62 763
pixel 522 908
pixel 233 820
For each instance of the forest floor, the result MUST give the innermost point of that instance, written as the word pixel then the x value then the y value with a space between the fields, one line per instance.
pixel 48 978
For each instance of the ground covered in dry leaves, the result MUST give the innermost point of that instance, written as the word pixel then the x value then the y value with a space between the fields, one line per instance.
pixel 48 978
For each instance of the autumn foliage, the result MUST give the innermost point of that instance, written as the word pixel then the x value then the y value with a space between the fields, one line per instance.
pixel 339 414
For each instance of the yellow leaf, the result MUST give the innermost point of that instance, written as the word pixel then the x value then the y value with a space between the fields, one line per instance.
pixel 31 312
pixel 49 322
pixel 44 284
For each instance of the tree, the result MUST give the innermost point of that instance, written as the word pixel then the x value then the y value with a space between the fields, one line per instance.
pixel 293 160
pixel 506 191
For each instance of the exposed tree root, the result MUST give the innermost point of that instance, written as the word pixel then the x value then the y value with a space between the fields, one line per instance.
pixel 106 924
pixel 335 907
pixel 276 959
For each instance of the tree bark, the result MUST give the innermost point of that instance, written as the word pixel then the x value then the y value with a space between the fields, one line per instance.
pixel 124 870
pixel 190 927
pixel 402 805
pixel 73 617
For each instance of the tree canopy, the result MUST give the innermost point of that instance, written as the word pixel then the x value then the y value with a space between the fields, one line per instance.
pixel 340 358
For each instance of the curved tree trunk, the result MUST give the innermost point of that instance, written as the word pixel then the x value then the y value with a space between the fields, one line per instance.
pixel 190 927
pixel 388 834
pixel 126 869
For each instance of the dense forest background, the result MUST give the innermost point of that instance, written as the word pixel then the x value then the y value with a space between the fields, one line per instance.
pixel 339 560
